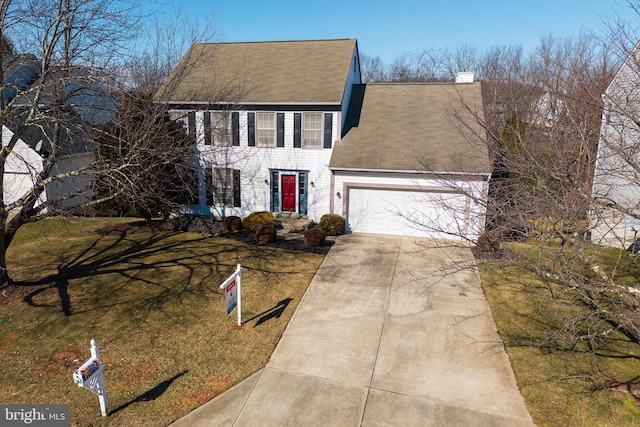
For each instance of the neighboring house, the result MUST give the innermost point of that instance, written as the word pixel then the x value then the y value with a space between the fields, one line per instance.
pixel 289 127
pixel 86 104
pixel 20 169
pixel 616 184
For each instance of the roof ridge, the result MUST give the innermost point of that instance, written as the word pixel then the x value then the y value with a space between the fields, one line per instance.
pixel 278 41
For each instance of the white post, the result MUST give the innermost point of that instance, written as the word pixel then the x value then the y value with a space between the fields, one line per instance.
pixel 235 280
pixel 239 270
pixel 99 385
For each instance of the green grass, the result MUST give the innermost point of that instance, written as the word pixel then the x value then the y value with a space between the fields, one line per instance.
pixel 152 302
pixel 597 385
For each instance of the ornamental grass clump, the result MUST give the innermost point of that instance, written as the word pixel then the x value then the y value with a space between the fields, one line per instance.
pixel 255 220
pixel 231 224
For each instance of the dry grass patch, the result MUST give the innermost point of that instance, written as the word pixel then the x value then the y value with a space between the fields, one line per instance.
pixel 152 301
pixel 564 383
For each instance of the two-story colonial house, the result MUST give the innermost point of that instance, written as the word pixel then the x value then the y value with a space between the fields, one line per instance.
pixel 288 126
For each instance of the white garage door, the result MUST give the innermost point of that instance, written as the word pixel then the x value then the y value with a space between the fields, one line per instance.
pixel 407 212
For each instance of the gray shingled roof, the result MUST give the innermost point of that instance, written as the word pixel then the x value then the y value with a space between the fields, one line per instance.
pixel 313 71
pixel 413 127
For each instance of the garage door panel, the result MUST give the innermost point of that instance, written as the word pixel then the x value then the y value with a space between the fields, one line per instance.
pixel 406 212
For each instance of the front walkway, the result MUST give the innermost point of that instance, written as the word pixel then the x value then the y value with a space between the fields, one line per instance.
pixel 393 331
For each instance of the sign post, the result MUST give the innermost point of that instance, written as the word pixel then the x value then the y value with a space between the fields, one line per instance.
pixel 90 377
pixel 233 293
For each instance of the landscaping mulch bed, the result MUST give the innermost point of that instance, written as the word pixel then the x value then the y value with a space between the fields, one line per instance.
pixel 212 226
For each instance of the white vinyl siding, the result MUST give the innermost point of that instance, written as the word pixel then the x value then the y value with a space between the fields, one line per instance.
pixel 256 165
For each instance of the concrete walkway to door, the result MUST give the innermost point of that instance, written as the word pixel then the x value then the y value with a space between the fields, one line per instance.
pixel 393 331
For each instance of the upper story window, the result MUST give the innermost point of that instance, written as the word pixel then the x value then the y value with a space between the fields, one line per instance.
pixel 186 120
pixel 312 130
pixel 217 128
pixel 265 130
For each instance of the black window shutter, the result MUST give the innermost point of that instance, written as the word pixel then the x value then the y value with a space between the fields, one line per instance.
pixel 209 186
pixel 236 188
pixel 328 129
pixel 275 195
pixel 280 130
pixel 251 125
pixel 191 119
pixel 297 130
pixel 235 128
pixel 302 192
pixel 207 128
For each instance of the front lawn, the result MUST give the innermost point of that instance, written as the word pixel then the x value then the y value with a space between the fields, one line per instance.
pixel 152 302
pixel 564 383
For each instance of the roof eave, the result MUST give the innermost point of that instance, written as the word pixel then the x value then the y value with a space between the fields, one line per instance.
pixel 409 171
pixel 254 103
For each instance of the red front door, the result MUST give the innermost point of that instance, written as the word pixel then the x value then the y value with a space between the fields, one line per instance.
pixel 288 193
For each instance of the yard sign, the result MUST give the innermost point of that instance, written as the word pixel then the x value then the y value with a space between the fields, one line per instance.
pixel 89 376
pixel 232 290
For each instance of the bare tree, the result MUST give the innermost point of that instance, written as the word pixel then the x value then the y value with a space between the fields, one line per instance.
pixel 428 65
pixel 543 124
pixel 372 68
pixel 52 99
pixel 83 125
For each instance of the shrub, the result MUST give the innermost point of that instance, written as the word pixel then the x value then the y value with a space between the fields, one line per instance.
pixel 314 237
pixel 488 243
pixel 255 220
pixel 266 234
pixel 231 224
pixel 332 224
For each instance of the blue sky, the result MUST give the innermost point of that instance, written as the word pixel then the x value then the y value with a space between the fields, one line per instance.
pixel 388 28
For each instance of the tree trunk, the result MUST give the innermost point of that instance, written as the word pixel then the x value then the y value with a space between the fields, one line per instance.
pixel 5 280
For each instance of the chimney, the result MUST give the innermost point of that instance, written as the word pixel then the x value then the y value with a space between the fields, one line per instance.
pixel 464 77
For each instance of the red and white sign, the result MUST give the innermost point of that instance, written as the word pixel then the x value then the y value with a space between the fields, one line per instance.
pixel 231 296
pixel 233 293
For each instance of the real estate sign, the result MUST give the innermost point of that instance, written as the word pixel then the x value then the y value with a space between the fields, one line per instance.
pixel 233 293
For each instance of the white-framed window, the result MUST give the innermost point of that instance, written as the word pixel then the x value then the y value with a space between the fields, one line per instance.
pixel 265 129
pixel 180 118
pixel 223 187
pixel 186 120
pixel 217 126
pixel 312 130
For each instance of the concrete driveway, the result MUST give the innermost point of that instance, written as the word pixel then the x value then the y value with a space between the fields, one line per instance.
pixel 393 331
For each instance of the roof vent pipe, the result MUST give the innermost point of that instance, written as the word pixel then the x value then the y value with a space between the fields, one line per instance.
pixel 464 77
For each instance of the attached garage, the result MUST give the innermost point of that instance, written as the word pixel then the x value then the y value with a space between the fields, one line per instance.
pixel 407 212
pixel 413 161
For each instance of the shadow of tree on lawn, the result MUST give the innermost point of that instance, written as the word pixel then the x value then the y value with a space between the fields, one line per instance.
pixel 143 260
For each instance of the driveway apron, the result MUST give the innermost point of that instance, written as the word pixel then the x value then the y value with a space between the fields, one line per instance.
pixel 392 331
